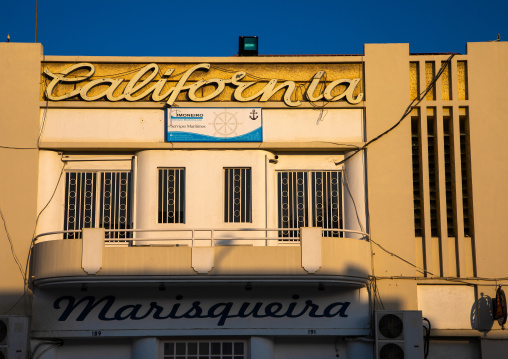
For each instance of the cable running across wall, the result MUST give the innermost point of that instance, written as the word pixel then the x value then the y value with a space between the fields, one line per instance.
pixel 408 110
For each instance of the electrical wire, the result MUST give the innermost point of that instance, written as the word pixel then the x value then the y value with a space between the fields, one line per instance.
pixel 335 143
pixel 19 299
pixel 457 280
pixel 408 110
pixel 466 280
pixel 427 338
pixel 52 344
pixel 18 148
pixel 30 250
pixel 43 121
pixel 354 202
pixel 420 269
pixel 40 132
pixel 16 259
pixel 375 290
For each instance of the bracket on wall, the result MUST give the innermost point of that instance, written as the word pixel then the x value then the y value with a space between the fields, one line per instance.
pixel 310 244
pixel 202 259
pixel 93 244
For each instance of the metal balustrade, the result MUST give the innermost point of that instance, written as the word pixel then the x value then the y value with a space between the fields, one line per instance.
pixel 212 235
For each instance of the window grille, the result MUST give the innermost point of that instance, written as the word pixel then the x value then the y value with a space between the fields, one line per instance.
pixel 110 190
pixel 318 205
pixel 205 350
pixel 115 203
pixel 171 195
pixel 237 195
pixel 80 208
pixel 293 199
pixel 327 201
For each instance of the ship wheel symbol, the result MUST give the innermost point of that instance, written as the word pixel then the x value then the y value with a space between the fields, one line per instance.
pixel 225 124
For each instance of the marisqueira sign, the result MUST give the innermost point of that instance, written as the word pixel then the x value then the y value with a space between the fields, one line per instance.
pixel 121 311
pixel 142 85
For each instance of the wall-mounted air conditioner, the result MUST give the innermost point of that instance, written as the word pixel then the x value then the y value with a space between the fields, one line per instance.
pixel 399 334
pixel 13 337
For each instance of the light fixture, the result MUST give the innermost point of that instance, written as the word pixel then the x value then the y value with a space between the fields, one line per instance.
pixel 248 46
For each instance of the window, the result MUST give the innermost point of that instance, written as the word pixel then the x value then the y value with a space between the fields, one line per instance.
pixel 205 350
pixel 98 200
pixel 310 198
pixel 171 208
pixel 237 195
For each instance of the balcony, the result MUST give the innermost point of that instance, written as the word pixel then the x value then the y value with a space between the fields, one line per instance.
pixel 311 256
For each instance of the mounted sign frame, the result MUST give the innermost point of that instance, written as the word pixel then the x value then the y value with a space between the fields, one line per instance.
pixel 198 124
pixel 203 310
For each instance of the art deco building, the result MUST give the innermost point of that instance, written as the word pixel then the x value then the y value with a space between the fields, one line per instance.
pixel 253 207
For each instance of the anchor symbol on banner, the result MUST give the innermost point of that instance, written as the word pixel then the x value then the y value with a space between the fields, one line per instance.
pixel 253 115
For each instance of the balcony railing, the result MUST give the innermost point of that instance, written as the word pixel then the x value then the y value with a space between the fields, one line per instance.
pixel 340 254
pixel 199 237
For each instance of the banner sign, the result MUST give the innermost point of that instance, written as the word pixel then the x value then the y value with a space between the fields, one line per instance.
pixel 214 125
pixel 180 311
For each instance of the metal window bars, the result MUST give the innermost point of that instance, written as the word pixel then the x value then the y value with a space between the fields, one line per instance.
pixel 322 201
pixel 111 190
pixel 327 201
pixel 293 201
pixel 171 206
pixel 80 202
pixel 237 195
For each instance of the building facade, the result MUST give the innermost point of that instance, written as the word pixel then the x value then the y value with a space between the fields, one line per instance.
pixel 253 207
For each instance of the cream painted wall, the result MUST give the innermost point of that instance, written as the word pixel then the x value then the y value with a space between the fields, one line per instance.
pixel 488 82
pixel 389 170
pixel 204 181
pixel 204 176
pixel 355 195
pixel 51 195
pixel 322 125
pixel 147 125
pixel 19 127
pixel 99 348
pixel 96 125
pixel 448 306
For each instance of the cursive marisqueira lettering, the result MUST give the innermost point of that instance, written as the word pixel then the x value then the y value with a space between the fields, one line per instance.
pixel 137 89
pixel 222 311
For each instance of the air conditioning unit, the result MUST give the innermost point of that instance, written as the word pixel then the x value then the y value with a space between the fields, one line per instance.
pixel 399 334
pixel 13 337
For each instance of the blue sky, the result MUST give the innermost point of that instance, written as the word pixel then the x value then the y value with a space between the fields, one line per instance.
pixel 211 28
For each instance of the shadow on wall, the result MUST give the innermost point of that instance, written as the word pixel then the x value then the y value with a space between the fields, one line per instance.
pixel 482 318
pixel 14 303
pixel 290 262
